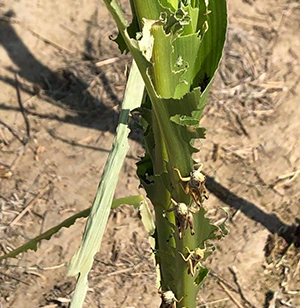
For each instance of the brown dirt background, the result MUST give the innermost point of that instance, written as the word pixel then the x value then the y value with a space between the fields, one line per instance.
pixel 72 100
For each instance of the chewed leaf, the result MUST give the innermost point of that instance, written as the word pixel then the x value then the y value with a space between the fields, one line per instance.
pixel 132 30
pixel 120 42
pixel 136 201
pixel 206 229
pixel 33 244
pixel 185 120
pixel 186 39
pixel 202 275
pixel 167 4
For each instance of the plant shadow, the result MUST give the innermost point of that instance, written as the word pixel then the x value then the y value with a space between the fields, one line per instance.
pixel 63 88
pixel 270 221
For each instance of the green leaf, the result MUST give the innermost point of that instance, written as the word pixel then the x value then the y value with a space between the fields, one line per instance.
pixel 211 48
pixel 178 53
pixel 202 275
pixel 136 201
pixel 82 261
pixel 32 244
pixel 132 30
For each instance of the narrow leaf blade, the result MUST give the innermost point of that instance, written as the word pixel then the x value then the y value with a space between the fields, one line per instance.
pixel 82 261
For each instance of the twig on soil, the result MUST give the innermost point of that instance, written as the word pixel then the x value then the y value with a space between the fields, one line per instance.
pixel 92 84
pixel 263 183
pixel 235 214
pixel 125 270
pixel 50 42
pixel 260 179
pixel 213 274
pixel 106 62
pixel 291 175
pixel 4 248
pixel 285 179
pixel 240 123
pixel 35 267
pixel 12 130
pixel 229 117
pixel 32 202
pixel 5 173
pixel 15 278
pixel 2 164
pixel 233 271
pixel 285 303
pixel 22 109
pixel 69 29
pixel 3 139
pixel 226 290
pixel 122 271
pixel 15 162
pixel 214 302
pixel 36 274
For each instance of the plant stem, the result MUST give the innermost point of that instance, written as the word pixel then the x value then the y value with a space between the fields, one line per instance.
pixel 173 268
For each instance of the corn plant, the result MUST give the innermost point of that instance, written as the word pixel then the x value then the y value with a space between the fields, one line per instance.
pixel 176 47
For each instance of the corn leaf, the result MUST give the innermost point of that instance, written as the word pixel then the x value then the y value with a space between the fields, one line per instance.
pixel 177 49
pixel 137 201
pixel 82 261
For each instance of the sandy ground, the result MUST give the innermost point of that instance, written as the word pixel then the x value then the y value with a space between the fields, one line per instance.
pixel 71 99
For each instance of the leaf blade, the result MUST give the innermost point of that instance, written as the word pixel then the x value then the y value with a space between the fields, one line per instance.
pixel 82 261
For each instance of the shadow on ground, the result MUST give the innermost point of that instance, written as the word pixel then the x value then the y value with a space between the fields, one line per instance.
pixel 270 221
pixel 62 88
pixel 70 91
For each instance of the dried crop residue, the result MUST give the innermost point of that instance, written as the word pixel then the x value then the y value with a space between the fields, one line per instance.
pixel 71 81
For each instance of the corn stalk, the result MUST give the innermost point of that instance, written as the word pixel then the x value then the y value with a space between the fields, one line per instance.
pixel 177 46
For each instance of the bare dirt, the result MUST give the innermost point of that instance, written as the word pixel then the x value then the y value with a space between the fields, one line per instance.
pixel 72 99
